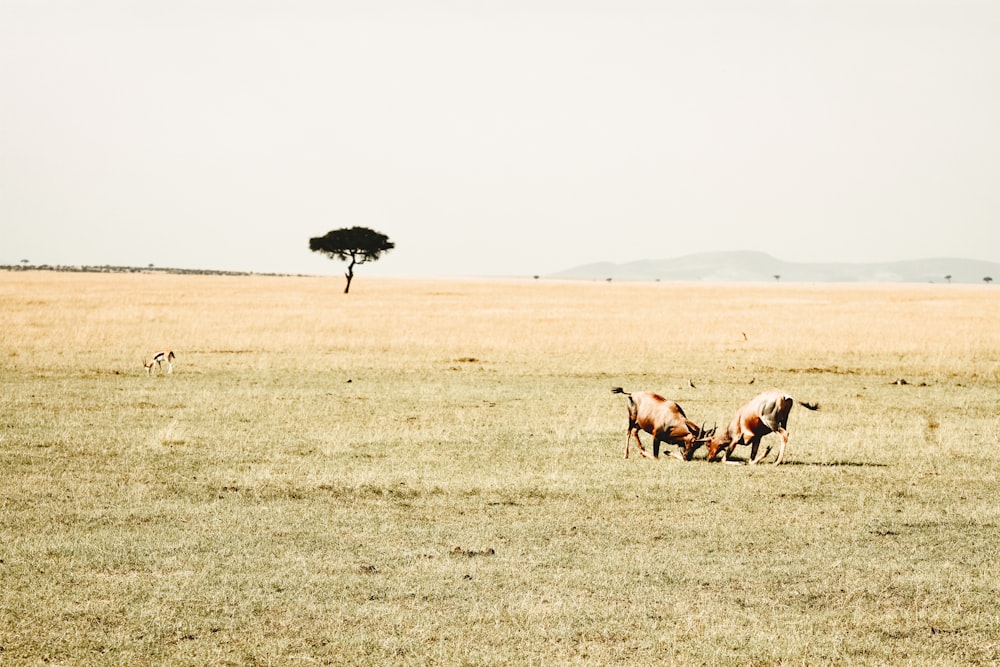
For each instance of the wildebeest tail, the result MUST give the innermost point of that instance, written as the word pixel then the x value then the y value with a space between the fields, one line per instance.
pixel 808 406
pixel 619 390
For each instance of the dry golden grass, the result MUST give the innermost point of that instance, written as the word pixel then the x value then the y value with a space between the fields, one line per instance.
pixel 430 472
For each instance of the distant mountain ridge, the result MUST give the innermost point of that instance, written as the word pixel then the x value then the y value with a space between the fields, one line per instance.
pixel 759 266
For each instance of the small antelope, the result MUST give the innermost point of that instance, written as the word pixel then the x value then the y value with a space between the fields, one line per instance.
pixel 158 359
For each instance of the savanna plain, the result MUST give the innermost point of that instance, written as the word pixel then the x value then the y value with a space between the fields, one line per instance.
pixel 432 472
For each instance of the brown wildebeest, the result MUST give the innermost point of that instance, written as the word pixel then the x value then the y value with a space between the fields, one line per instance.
pixel 665 421
pixel 763 414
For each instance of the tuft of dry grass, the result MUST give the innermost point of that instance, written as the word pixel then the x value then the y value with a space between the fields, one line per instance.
pixel 430 472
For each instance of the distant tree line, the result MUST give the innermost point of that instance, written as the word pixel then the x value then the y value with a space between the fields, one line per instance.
pixel 129 269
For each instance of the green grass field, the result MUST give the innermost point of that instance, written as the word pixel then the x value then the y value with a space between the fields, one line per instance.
pixel 431 472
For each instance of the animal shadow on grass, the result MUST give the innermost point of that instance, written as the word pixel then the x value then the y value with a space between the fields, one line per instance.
pixel 835 464
pixel 736 460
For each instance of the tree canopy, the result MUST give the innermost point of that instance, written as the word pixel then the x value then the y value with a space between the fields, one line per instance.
pixel 355 245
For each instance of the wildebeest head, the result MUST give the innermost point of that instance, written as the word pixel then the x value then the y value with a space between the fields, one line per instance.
pixel 715 443
pixel 699 439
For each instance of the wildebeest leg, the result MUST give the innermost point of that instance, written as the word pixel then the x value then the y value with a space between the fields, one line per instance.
pixel 628 439
pixel 642 450
pixel 784 441
pixel 767 451
pixel 656 447
pixel 632 432
pixel 725 455
pixel 720 450
pixel 754 446
pixel 731 448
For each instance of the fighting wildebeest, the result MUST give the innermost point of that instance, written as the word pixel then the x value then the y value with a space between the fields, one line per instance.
pixel 665 421
pixel 765 413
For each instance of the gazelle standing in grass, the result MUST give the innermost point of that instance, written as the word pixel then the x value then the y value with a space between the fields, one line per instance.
pixel 158 358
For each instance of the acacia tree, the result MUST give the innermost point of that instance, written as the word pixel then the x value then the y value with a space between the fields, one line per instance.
pixel 355 245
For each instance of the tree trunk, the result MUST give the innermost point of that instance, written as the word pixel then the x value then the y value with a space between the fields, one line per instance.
pixel 349 275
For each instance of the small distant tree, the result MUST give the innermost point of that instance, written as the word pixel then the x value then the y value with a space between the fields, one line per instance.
pixel 355 245
pixel 987 280
pixel 948 278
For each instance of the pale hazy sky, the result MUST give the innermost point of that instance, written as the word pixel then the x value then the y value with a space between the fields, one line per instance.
pixel 497 138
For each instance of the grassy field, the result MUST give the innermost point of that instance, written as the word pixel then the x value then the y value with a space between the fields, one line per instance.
pixel 431 472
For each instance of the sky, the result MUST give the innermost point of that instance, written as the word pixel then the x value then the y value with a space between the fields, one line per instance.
pixel 497 138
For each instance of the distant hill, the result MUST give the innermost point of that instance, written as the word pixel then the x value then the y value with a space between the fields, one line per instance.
pixel 759 266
